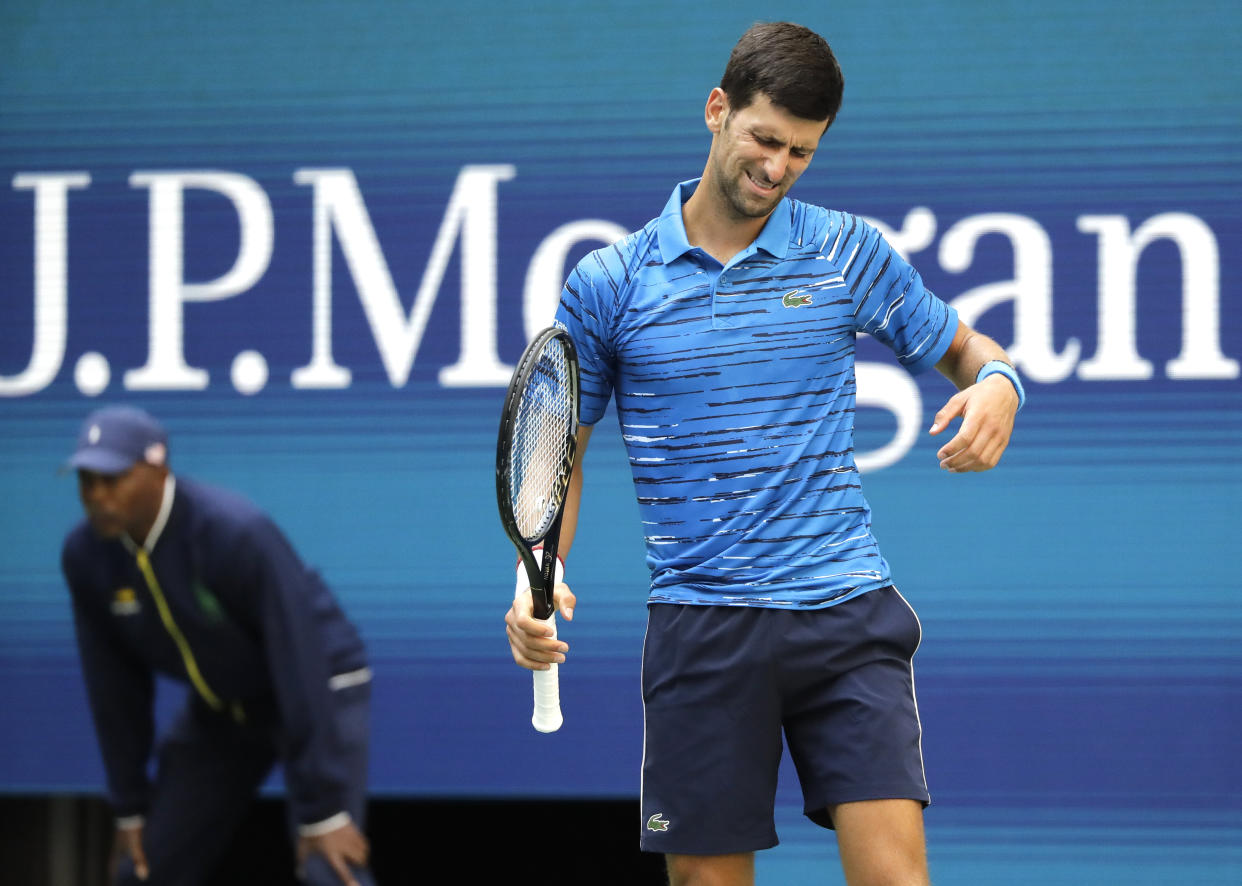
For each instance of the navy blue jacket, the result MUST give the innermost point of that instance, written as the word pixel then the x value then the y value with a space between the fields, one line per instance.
pixel 263 630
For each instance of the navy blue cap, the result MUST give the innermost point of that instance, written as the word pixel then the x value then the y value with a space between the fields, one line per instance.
pixel 115 438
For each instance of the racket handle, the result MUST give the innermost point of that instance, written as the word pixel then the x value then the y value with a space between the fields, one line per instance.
pixel 547 716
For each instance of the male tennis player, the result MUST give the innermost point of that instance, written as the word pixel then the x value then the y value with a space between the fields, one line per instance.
pixel 726 330
pixel 171 577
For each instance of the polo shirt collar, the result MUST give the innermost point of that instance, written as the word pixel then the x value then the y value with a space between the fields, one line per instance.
pixel 671 228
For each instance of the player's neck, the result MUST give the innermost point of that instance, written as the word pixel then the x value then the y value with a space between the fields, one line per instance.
pixel 713 226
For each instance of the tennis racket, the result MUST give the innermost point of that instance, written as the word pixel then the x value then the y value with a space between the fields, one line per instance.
pixel 534 460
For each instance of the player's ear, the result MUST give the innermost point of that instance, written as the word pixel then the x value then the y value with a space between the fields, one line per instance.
pixel 716 110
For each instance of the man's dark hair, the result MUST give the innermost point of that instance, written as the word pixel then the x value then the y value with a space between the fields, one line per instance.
pixel 792 65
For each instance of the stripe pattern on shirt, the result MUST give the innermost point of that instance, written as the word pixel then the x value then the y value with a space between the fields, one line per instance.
pixel 735 394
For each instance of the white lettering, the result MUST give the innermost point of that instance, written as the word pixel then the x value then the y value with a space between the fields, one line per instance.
pixel 166 368
pixel 337 204
pixel 1030 290
pixel 1117 355
pixel 545 277
pixel 51 273
pixel 472 212
pixel 917 231
pixel 469 224
pixel 891 388
pixel 473 207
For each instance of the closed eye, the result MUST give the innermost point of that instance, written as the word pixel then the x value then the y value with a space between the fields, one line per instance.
pixel 776 144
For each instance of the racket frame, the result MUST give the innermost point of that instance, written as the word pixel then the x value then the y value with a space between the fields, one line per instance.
pixel 542 574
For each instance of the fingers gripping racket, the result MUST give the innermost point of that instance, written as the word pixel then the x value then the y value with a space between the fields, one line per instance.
pixel 534 460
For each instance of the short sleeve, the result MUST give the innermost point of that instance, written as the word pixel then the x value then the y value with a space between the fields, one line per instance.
pixel 892 304
pixel 587 303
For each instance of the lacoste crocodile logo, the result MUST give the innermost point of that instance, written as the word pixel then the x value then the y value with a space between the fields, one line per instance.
pixel 655 823
pixel 795 299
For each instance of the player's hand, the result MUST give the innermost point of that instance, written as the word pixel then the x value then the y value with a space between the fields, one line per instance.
pixel 127 843
pixel 341 848
pixel 987 410
pixel 533 642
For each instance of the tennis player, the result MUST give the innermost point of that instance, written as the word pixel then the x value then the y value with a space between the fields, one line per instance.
pixel 725 329
pixel 171 577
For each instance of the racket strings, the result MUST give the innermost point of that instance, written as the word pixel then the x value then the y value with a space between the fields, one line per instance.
pixel 541 442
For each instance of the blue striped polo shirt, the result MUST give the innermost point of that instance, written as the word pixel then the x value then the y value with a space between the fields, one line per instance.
pixel 735 394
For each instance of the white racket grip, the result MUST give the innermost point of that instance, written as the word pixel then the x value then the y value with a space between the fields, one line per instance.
pixel 547 716
pixel 547 684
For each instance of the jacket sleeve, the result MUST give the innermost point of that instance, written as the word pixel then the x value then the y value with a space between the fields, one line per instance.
pixel 290 600
pixel 121 692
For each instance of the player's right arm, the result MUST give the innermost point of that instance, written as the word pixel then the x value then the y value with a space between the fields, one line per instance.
pixel 588 305
pixel 529 638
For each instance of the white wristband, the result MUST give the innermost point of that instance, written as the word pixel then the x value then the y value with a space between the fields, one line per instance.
pixel 523 581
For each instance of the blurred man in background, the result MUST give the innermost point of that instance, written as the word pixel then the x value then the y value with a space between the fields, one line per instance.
pixel 171 577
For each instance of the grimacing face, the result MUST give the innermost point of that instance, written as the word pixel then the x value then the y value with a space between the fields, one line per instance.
pixel 757 153
pixel 122 503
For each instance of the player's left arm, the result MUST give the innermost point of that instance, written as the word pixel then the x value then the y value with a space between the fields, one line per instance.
pixel 986 406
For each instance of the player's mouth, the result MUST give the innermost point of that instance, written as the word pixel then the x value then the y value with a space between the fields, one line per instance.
pixel 763 186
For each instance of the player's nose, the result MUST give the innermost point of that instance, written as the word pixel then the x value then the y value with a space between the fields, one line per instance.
pixel 775 164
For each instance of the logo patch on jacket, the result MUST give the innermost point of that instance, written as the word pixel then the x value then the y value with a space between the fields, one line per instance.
pixel 795 299
pixel 125 602
pixel 207 602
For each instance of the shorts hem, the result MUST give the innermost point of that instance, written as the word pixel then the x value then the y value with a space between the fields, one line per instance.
pixel 818 812
pixel 700 849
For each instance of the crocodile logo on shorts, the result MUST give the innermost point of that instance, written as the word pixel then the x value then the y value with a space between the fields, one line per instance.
pixel 655 823
pixel 795 299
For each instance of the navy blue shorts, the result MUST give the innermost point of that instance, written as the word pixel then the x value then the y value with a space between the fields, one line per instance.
pixel 720 683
